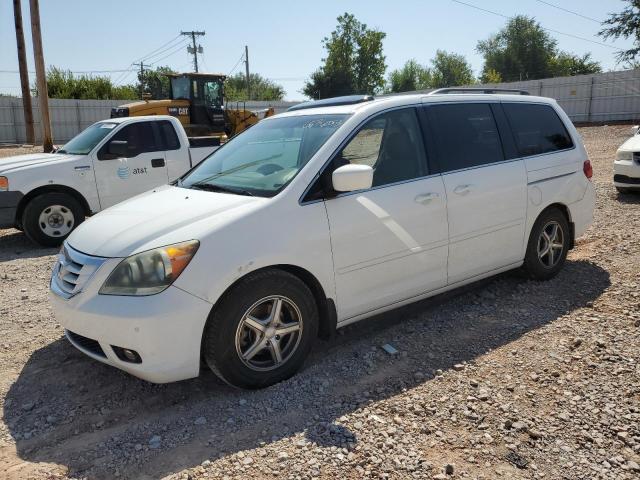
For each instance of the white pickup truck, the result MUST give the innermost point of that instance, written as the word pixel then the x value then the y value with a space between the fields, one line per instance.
pixel 47 195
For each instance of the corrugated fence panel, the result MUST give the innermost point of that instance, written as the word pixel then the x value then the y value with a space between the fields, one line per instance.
pixel 69 117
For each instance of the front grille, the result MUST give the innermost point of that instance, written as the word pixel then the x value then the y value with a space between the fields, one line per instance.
pixel 636 157
pixel 85 344
pixel 72 271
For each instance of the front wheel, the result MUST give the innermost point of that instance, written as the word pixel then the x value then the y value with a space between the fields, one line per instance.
pixel 49 218
pixel 548 245
pixel 262 330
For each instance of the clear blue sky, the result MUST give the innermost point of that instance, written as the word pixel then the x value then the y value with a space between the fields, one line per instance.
pixel 284 36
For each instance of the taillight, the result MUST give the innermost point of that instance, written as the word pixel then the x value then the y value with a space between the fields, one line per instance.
pixel 587 169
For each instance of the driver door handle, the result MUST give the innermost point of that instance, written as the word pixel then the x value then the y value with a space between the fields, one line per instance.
pixel 157 162
pixel 426 198
pixel 462 189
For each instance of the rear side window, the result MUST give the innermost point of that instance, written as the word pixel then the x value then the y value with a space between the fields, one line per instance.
pixel 465 135
pixel 536 128
pixel 169 136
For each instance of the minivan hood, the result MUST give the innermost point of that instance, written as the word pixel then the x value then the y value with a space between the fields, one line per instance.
pixel 631 145
pixel 20 161
pixel 157 218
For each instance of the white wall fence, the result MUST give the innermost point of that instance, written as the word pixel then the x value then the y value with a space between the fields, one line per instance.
pixel 69 117
pixel 601 97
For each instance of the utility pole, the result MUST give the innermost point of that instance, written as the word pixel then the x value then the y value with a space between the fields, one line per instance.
pixel 246 64
pixel 194 49
pixel 41 76
pixel 141 76
pixel 24 73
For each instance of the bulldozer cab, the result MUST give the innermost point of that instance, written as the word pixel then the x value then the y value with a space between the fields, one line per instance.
pixel 205 94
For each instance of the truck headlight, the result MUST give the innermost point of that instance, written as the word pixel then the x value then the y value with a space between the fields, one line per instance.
pixel 150 272
pixel 4 184
pixel 624 155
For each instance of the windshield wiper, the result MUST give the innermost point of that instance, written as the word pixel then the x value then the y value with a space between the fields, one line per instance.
pixel 61 150
pixel 219 188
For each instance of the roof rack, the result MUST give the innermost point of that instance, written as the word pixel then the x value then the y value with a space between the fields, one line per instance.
pixel 478 90
pixel 332 102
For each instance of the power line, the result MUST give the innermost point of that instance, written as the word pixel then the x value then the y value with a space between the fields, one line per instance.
pixel 236 65
pixel 173 52
pixel 570 11
pixel 544 28
pixel 180 43
pixel 152 52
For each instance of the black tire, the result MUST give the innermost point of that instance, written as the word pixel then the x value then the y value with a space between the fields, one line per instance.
pixel 219 341
pixel 35 231
pixel 547 267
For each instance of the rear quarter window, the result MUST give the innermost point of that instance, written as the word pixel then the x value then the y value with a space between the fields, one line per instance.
pixel 536 128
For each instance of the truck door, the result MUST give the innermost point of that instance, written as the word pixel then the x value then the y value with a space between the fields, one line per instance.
pixel 132 161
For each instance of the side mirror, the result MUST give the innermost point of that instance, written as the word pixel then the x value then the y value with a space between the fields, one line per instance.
pixel 350 178
pixel 118 148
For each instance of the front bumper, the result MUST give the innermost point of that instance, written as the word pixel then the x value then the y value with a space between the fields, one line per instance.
pixel 164 329
pixel 626 173
pixel 9 202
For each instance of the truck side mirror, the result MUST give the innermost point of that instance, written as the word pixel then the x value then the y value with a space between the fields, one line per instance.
pixel 118 148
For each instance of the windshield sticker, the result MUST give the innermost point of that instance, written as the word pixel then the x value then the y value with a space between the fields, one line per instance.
pixel 323 123
pixel 108 126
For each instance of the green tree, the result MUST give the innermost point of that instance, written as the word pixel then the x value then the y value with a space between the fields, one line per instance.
pixel 412 76
pixel 521 50
pixel 64 84
pixel 565 64
pixel 355 62
pixel 262 88
pixel 625 24
pixel 450 70
pixel 155 81
pixel 491 76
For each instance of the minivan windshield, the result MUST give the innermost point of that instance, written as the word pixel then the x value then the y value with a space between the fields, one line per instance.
pixel 86 140
pixel 265 158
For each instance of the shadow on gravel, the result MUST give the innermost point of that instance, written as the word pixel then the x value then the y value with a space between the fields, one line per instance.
pixel 630 197
pixel 99 422
pixel 15 244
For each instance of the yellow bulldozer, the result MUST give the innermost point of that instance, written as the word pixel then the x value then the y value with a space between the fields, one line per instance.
pixel 198 101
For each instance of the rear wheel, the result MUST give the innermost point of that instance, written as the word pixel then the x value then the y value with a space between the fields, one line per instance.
pixel 262 330
pixel 548 245
pixel 49 218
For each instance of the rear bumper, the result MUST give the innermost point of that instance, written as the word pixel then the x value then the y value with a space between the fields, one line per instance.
pixel 9 202
pixel 582 211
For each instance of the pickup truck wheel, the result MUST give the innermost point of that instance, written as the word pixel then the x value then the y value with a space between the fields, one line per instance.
pixel 49 218
pixel 548 245
pixel 262 330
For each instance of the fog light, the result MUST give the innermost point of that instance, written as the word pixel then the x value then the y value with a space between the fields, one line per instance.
pixel 126 354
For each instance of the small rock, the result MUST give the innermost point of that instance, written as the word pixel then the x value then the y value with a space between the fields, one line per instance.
pixel 535 434
pixel 28 406
pixel 458 366
pixel 154 442
pixel 448 469
pixel 247 461
pixel 200 421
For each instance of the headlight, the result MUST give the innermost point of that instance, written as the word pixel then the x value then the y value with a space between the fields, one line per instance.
pixel 4 184
pixel 624 155
pixel 150 272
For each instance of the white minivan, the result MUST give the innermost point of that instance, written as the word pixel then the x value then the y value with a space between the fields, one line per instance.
pixel 319 217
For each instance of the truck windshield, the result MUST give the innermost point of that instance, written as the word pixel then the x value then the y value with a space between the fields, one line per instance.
pixel 265 158
pixel 86 140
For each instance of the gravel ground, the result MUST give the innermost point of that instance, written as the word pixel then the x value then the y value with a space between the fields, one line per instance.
pixel 504 379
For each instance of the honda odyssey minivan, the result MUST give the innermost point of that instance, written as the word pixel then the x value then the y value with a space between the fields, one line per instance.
pixel 317 218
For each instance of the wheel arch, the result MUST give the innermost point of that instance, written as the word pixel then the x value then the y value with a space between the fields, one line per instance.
pixel 54 188
pixel 567 213
pixel 326 306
